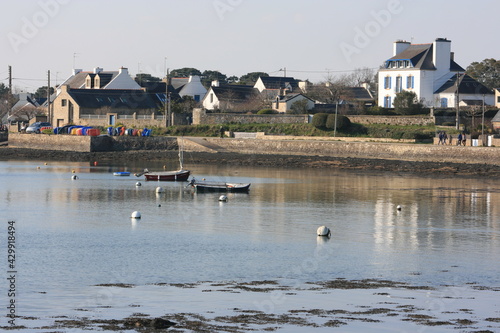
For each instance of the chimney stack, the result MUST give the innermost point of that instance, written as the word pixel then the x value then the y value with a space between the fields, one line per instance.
pixel 400 46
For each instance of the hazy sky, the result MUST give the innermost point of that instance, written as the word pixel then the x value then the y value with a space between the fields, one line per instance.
pixel 311 39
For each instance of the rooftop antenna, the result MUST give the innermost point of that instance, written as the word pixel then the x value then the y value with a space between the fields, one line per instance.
pixel 74 59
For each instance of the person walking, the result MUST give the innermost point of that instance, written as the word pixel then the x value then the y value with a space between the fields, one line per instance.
pixel 459 139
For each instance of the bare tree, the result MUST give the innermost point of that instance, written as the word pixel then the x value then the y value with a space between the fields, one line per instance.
pixel 28 112
pixel 473 111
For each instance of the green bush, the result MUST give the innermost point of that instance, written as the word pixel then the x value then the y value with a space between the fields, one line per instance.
pixel 319 120
pixel 266 111
pixel 343 122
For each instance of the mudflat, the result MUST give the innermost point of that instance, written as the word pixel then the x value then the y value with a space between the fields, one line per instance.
pixel 366 165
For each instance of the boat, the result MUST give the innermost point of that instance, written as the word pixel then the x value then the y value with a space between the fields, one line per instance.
pixel 121 173
pixel 207 186
pixel 177 175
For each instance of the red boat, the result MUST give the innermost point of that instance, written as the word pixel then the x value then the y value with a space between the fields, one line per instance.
pixel 179 175
pixel 172 176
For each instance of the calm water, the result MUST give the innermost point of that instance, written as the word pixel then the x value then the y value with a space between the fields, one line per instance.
pixel 73 234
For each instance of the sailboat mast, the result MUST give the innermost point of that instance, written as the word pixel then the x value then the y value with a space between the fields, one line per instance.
pixel 181 157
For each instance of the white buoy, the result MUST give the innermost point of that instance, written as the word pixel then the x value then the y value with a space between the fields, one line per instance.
pixel 223 198
pixel 398 207
pixel 138 184
pixel 74 177
pixel 160 189
pixel 136 215
pixel 323 231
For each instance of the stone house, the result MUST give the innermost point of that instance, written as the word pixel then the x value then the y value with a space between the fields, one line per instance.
pixel 495 122
pixel 284 103
pixel 103 107
pixel 497 97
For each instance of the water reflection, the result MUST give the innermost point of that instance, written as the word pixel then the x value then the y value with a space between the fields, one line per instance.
pixel 442 221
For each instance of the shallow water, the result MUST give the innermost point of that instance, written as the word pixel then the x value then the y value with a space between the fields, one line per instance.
pixel 74 234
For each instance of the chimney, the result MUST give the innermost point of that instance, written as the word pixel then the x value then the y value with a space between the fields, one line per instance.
pixel 97 70
pixel 76 71
pixel 399 46
pixel 215 83
pixel 441 54
pixel 123 70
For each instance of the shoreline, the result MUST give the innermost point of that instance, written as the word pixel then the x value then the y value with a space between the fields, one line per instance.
pixel 367 165
pixel 269 305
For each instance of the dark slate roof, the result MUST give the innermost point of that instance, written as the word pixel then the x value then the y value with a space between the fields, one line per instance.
pixel 77 81
pixel 496 118
pixel 467 85
pixel 454 67
pixel 105 78
pixel 358 93
pixel 179 82
pixel 119 98
pixel 420 56
pixel 289 97
pixel 234 92
pixel 279 82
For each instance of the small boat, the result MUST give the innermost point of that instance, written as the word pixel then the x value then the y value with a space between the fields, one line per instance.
pixel 206 186
pixel 121 173
pixel 177 175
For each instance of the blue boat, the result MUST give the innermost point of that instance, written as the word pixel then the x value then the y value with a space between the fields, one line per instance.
pixel 121 173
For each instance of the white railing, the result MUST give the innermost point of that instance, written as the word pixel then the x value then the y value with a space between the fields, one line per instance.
pixel 93 116
pixel 125 116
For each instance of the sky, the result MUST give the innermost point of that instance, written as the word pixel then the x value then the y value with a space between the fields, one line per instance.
pixel 314 39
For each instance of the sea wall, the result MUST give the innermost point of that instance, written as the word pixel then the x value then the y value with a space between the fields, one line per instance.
pixel 376 150
pixel 390 151
pixel 90 143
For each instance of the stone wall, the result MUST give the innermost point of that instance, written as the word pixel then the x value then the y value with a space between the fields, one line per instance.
pixel 390 151
pixel 90 143
pixel 53 142
pixel 201 117
pixel 122 143
pixel 392 120
pixel 4 135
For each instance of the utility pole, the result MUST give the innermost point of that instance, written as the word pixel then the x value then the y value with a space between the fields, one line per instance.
pixel 482 126
pixel 167 100
pixel 49 115
pixel 457 120
pixel 10 80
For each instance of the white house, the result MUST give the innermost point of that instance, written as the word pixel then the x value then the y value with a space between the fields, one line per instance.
pixel 191 86
pixel 100 79
pixel 430 71
pixel 228 96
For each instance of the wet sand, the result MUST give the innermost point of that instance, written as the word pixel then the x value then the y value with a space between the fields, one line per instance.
pixel 366 165
pixel 368 305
